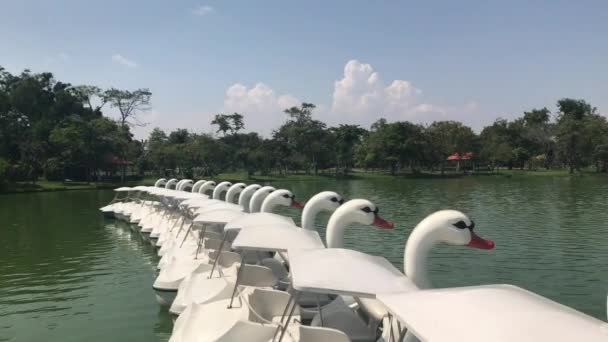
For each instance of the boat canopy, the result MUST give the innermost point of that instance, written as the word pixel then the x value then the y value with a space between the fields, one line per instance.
pixel 345 272
pixel 220 216
pixel 497 313
pixel 258 220
pixel 277 238
pixel 195 201
pixel 181 195
pixel 216 205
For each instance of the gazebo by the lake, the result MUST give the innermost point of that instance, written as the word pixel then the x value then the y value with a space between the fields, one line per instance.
pixel 465 158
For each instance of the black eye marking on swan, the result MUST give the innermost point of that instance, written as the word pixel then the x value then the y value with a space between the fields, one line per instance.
pixel 333 199
pixel 460 225
pixel 242 187
pixel 286 196
pixel 369 210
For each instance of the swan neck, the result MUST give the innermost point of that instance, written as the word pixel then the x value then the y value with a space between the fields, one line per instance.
pixel 244 201
pixel 217 193
pixel 230 195
pixel 309 215
pixel 255 204
pixel 204 188
pixel 416 253
pixel 335 230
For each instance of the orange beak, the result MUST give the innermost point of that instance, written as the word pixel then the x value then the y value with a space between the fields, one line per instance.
pixel 479 242
pixel 382 223
pixel 296 204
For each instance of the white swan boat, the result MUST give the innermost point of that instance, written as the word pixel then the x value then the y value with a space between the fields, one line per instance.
pixel 202 287
pixel 273 238
pixel 497 313
pixel 173 273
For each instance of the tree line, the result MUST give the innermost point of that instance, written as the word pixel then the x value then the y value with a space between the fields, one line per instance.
pixel 576 137
pixel 55 130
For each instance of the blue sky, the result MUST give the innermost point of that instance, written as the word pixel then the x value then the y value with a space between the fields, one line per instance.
pixel 358 60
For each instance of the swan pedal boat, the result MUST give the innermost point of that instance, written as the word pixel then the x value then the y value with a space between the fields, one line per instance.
pixel 497 313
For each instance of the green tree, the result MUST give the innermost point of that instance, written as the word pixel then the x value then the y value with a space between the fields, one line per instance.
pixel 572 142
pixel 232 123
pixel 129 104
pixel 496 144
pixel 306 140
pixel 346 139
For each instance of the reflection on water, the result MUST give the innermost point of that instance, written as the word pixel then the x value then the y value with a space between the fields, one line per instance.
pixel 66 274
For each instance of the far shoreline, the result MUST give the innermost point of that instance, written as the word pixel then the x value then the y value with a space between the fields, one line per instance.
pixel 53 186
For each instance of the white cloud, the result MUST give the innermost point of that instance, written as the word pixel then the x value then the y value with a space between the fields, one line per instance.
pixel 362 97
pixel 119 59
pixel 359 97
pixel 262 107
pixel 202 10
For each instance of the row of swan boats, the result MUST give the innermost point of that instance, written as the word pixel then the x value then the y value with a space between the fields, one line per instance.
pixel 232 270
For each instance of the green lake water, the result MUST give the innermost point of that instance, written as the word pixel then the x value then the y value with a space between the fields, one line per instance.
pixel 66 274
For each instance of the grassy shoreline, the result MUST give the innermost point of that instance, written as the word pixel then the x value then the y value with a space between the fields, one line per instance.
pixel 48 186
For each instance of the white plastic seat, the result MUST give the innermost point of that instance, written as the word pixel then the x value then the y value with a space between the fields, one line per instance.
pixel 267 305
pixel 320 334
pixel 259 276
pixel 249 331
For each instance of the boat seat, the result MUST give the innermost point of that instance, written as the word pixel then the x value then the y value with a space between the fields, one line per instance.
pixel 227 259
pixel 259 276
pixel 215 244
pixel 249 331
pixel 338 315
pixel 268 305
pixel 277 267
pixel 320 334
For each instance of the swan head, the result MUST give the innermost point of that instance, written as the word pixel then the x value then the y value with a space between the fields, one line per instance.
pixel 363 211
pixel 258 197
pixel 249 191
pixel 160 183
pixel 223 186
pixel 444 226
pixel 326 200
pixel 238 187
pixel 171 183
pixel 282 197
pixel 185 183
pixel 246 195
pixel 359 211
pixel 197 185
pixel 455 228
pixel 207 186
pixel 234 190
